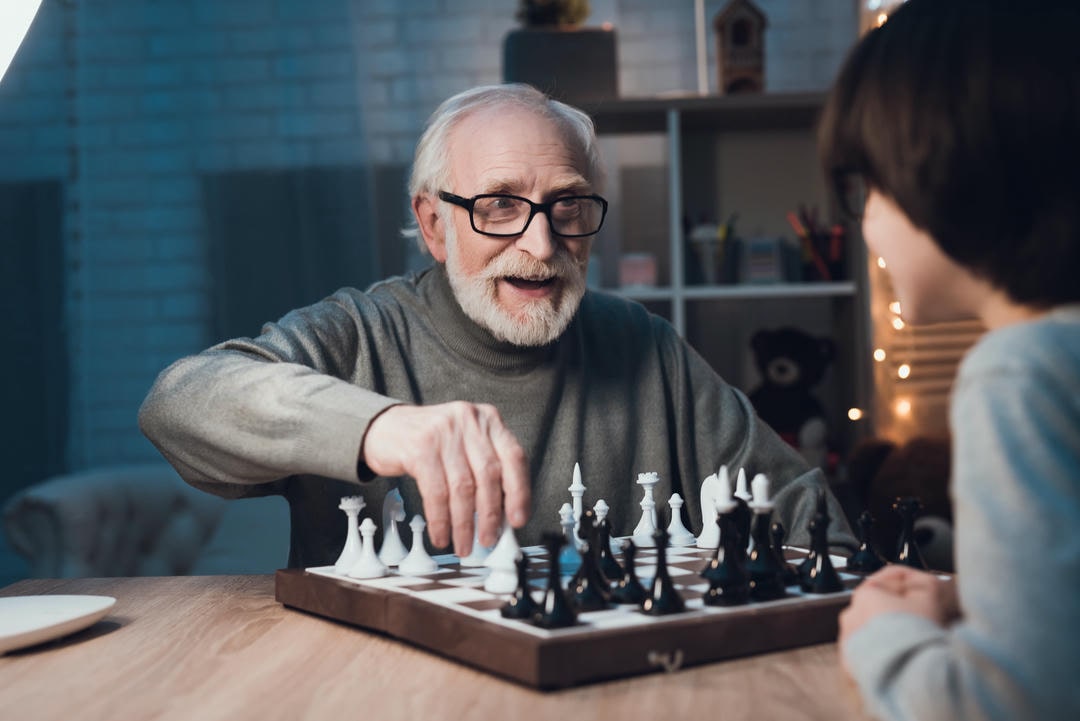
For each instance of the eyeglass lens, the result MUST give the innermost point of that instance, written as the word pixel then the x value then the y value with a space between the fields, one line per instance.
pixel 509 215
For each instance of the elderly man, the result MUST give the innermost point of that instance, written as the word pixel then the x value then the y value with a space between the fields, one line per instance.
pixel 480 381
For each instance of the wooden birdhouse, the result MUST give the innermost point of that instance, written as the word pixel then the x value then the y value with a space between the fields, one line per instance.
pixel 740 47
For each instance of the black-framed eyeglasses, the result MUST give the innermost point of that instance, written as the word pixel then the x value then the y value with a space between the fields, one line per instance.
pixel 503 216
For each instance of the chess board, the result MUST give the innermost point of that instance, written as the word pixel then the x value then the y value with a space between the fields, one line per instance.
pixel 451 614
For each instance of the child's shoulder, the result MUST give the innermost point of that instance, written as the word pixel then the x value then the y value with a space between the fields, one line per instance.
pixel 1050 342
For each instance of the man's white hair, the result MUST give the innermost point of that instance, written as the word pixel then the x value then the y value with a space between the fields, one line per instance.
pixel 431 164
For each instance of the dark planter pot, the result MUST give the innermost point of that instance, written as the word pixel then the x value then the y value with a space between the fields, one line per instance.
pixel 571 65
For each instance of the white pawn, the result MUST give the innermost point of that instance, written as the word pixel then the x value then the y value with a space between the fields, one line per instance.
pixel 502 562
pixel 710 531
pixel 569 556
pixel 741 491
pixel 393 550
pixel 646 527
pixel 577 491
pixel 352 505
pixel 600 508
pixel 418 562
pixel 479 553
pixel 760 486
pixel 368 565
pixel 677 533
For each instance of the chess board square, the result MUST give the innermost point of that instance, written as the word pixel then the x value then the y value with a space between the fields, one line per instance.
pixel 456 595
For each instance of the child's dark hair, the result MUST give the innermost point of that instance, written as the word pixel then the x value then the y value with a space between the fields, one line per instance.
pixel 967 114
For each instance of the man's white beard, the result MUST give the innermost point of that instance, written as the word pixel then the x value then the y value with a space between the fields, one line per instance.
pixel 536 322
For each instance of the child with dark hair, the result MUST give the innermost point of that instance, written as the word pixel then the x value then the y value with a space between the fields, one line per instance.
pixel 954 132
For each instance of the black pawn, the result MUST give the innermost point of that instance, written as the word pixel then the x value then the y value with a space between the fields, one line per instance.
pixel 588 589
pixel 729 585
pixel 629 588
pixel 822 511
pixel 609 567
pixel 663 598
pixel 555 611
pixel 907 550
pixel 790 573
pixel 766 574
pixel 521 605
pixel 742 516
pixel 867 559
pixel 821 577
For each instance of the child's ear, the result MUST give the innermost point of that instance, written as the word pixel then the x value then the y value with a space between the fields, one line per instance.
pixel 426 211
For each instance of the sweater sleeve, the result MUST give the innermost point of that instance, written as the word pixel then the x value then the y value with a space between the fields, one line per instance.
pixel 1017 507
pixel 294 400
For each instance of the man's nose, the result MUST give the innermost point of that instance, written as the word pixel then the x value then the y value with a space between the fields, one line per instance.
pixel 538 240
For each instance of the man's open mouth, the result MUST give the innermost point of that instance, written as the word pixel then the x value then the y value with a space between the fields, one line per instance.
pixel 528 283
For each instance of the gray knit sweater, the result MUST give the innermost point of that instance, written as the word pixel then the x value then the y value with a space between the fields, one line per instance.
pixel 619 392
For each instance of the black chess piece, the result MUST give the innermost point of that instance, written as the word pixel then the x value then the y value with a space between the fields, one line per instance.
pixel 521 605
pixel 589 590
pixel 868 558
pixel 609 567
pixel 822 509
pixel 663 598
pixel 820 577
pixel 790 572
pixel 629 589
pixel 555 611
pixel 584 533
pixel 742 516
pixel 765 572
pixel 907 549
pixel 729 584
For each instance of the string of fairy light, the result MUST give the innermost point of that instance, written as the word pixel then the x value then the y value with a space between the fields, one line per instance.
pixel 874 13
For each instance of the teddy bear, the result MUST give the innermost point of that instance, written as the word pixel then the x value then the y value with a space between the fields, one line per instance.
pixel 791 362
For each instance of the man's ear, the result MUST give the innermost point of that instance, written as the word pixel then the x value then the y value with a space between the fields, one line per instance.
pixel 425 209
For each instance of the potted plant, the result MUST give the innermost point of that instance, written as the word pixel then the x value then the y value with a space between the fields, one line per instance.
pixel 557 53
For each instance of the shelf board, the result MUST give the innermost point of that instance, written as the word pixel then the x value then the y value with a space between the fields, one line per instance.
pixel 741 291
pixel 715 113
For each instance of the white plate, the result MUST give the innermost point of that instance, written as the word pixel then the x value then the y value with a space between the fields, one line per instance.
pixel 28 620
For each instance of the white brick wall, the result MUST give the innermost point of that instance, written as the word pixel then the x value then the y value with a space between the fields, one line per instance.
pixel 167 89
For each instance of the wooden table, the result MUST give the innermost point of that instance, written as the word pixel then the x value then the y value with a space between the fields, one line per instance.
pixel 221 647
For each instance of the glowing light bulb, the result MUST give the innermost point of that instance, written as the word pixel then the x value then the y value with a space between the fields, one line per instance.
pixel 904 370
pixel 854 413
pixel 880 262
pixel 903 407
pixel 879 354
pixel 881 18
pixel 898 324
pixel 895 307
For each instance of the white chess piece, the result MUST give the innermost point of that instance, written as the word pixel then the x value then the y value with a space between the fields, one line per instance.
pixel 393 550
pixel 677 533
pixel 761 503
pixel 569 556
pixel 418 562
pixel 502 562
pixel 368 565
pixel 352 505
pixel 723 499
pixel 741 491
pixel 479 553
pixel 600 508
pixel 577 491
pixel 710 531
pixel 643 532
pixel 760 486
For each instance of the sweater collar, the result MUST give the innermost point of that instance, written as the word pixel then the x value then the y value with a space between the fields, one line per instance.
pixel 467 338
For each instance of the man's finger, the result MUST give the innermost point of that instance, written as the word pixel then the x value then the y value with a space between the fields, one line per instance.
pixel 515 476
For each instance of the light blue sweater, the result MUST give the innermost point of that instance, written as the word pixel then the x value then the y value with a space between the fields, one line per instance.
pixel 1015 654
